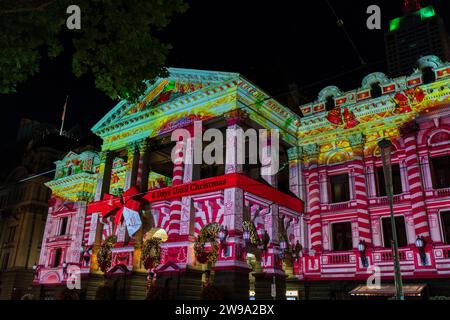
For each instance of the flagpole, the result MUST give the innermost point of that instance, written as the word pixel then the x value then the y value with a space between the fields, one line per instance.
pixel 63 116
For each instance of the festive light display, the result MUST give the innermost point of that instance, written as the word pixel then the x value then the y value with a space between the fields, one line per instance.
pixel 104 187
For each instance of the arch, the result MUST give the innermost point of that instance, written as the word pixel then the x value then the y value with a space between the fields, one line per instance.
pixel 51 277
pixel 337 157
pixel 395 147
pixel 159 233
pixel 328 92
pixel 438 137
pixel 373 78
pixel 430 61
pixel 423 136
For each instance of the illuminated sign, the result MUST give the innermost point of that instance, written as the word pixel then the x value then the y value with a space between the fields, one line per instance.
pixel 233 180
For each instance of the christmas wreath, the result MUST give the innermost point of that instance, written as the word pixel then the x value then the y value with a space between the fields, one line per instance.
pixel 207 234
pixel 151 253
pixel 104 255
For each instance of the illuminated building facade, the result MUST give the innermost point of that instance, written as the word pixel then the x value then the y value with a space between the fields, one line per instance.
pixel 299 228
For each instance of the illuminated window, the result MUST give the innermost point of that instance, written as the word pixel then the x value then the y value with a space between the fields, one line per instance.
pixel 339 188
pixel 342 236
pixel 400 229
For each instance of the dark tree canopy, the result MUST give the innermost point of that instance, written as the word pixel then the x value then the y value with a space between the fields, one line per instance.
pixel 117 42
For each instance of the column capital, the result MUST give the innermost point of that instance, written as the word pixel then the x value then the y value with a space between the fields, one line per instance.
pixel 235 117
pixel 310 152
pixel 294 153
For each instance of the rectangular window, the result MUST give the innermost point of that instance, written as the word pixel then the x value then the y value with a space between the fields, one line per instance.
pixel 63 227
pixel 57 258
pixel 400 229
pixel 339 188
pixel 396 181
pixel 445 221
pixel 440 173
pixel 342 236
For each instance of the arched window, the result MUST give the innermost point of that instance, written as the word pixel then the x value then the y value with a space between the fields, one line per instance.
pixel 428 75
pixel 329 103
pixel 375 90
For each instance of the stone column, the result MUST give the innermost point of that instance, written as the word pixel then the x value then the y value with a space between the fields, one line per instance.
pixel 232 274
pixel 296 176
pixel 311 153
pixel 132 166
pixel 104 174
pixel 360 189
pixel 272 266
pixel 419 211
pixel 268 171
pixel 103 184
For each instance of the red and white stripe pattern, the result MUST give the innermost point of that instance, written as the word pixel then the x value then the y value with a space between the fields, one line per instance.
pixel 175 205
pixel 415 187
pixel 207 212
pixel 161 217
pixel 314 207
pixel 361 200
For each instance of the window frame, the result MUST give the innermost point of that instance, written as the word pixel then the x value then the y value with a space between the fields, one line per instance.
pixel 383 244
pixel 332 234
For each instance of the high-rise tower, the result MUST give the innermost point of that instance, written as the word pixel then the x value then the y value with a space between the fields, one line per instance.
pixel 419 32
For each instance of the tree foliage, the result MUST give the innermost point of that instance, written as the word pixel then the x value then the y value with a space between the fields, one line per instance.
pixel 117 43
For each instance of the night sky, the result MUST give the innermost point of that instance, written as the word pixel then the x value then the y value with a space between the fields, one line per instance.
pixel 271 43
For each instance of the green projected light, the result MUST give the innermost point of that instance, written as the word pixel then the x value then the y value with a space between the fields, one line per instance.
pixel 394 24
pixel 427 12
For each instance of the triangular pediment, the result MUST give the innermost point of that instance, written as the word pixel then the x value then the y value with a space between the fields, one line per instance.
pixel 179 84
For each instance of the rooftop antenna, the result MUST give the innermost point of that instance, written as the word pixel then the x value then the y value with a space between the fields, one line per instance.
pixel 340 24
pixel 63 116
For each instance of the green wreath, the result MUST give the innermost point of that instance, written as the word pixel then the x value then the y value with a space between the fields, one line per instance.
pixel 104 255
pixel 207 234
pixel 151 253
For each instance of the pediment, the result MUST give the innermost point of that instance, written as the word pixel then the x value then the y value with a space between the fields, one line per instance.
pixel 179 84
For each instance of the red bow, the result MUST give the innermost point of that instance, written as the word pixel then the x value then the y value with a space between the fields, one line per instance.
pixel 111 203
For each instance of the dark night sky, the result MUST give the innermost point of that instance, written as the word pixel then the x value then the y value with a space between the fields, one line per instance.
pixel 271 43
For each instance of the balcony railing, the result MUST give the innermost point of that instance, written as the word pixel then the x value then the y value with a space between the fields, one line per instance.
pixel 389 256
pixel 442 193
pixel 384 201
pixel 339 259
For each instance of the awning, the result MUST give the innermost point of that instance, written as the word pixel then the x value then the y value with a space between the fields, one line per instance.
pixel 388 290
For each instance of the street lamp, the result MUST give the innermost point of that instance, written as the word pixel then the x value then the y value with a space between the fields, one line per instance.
pixel 223 234
pixel 246 236
pixel 296 249
pixel 283 246
pixel 385 151
pixel 35 270
pixel 420 244
pixel 64 269
pixel 362 251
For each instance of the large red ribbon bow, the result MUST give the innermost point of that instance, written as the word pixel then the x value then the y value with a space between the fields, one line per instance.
pixel 111 203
